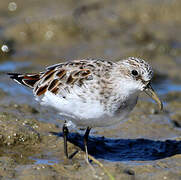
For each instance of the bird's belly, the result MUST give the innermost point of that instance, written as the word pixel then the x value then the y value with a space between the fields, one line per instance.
pixel 82 113
pixel 92 117
pixel 86 113
pixel 102 121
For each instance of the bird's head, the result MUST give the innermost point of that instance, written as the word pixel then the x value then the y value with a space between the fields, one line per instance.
pixel 138 75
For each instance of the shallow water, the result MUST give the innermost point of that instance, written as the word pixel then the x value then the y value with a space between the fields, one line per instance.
pixel 165 86
pixel 44 161
pixel 8 66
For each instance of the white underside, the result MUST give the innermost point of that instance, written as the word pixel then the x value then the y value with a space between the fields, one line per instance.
pixel 82 114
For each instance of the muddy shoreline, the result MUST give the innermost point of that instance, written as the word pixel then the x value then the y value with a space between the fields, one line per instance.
pixel 33 35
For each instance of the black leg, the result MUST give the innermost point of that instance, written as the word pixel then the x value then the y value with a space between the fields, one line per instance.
pixel 65 133
pixel 86 135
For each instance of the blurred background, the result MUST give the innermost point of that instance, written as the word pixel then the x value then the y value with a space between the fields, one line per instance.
pixel 34 34
pixel 47 32
pixel 39 33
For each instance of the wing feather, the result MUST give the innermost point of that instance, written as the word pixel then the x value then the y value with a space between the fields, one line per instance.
pixel 63 76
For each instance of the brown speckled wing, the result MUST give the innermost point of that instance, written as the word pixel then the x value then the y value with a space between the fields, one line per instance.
pixel 62 77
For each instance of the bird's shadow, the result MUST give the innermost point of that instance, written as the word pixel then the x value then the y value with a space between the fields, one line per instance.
pixel 125 149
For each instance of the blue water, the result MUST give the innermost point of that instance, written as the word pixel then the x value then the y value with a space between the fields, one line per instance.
pixel 14 89
pixel 44 161
pixel 7 84
pixel 165 86
pixel 13 66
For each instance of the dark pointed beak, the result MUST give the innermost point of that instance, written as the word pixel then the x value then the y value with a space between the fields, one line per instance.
pixel 150 92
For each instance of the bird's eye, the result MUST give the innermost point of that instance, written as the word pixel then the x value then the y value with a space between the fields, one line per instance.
pixel 134 72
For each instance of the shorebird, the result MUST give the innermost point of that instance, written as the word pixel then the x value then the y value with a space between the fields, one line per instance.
pixel 91 92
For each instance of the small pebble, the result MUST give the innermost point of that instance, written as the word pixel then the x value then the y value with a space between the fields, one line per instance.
pixel 4 48
pixel 12 6
pixel 129 172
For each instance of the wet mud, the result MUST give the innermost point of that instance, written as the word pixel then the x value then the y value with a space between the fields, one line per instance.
pixel 146 145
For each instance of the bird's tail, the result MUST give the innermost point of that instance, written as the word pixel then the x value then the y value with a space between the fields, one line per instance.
pixel 28 80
